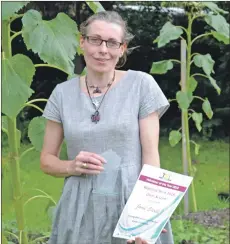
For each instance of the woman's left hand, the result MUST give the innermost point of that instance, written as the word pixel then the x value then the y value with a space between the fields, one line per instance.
pixel 138 240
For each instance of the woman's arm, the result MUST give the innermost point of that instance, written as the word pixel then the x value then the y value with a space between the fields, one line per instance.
pixel 49 158
pixel 149 136
pixel 84 162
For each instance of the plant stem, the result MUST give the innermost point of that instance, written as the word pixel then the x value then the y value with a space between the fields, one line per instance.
pixel 25 152
pixel 34 106
pixel 15 171
pixel 39 239
pixel 6 40
pixel 200 36
pixel 184 29
pixel 191 110
pixel 189 117
pixel 37 100
pixel 175 60
pixel 15 35
pixel 5 130
pixel 192 142
pixel 185 113
pixel 202 99
pixel 16 17
pixel 198 74
pixel 197 16
pixel 13 149
pixel 35 197
pixel 195 54
pixel 172 100
pixel 51 66
pixel 10 233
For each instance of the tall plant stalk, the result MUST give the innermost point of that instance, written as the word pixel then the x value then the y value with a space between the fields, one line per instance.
pixel 185 111
pixel 183 55
pixel 13 151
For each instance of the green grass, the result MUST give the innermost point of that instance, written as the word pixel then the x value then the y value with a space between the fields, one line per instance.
pixel 32 177
pixel 212 177
pixel 212 171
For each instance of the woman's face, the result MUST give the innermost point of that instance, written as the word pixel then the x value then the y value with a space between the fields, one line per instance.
pixel 102 58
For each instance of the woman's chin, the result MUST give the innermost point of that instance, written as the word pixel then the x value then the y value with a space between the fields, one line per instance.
pixel 102 68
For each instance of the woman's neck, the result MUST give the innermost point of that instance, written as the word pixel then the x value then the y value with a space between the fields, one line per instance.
pixel 99 79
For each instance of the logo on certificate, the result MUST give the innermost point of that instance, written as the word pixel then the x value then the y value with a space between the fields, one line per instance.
pixel 166 176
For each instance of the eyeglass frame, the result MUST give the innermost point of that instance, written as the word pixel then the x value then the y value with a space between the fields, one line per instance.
pixel 106 42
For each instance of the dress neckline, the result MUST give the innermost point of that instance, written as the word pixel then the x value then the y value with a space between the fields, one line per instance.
pixel 110 89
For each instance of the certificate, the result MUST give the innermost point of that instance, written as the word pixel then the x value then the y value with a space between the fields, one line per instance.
pixel 154 198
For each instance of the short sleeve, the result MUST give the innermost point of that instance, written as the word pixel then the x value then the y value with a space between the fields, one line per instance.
pixel 152 99
pixel 53 108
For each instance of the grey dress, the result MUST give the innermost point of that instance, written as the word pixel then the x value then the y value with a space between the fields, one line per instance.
pixel 82 216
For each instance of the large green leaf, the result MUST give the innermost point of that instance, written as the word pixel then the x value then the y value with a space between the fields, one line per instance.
pixel 17 74
pixel 161 67
pixel 79 50
pixel 184 99
pixel 220 37
pixel 213 82
pixel 167 33
pixel 192 84
pixel 214 7
pixel 95 6
pixel 36 133
pixel 55 41
pixel 205 62
pixel 219 23
pixel 198 118
pixel 206 106
pixel 174 137
pixel 10 8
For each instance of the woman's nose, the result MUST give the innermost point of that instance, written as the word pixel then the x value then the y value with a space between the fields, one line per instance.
pixel 103 48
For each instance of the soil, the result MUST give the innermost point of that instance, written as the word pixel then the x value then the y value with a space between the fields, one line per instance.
pixel 215 218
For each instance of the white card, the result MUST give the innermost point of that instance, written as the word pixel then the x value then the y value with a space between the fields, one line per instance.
pixel 154 198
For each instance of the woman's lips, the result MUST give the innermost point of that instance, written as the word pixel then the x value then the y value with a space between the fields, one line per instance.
pixel 101 60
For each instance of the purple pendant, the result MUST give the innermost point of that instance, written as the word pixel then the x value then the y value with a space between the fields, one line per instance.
pixel 97 90
pixel 95 117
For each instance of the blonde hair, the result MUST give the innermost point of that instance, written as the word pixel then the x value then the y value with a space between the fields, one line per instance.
pixel 111 17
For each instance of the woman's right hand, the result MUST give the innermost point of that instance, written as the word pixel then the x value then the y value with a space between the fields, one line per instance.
pixel 86 163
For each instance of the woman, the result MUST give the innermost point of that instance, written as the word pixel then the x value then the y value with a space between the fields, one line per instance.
pixel 106 109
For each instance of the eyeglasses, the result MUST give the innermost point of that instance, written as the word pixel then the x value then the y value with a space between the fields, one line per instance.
pixel 97 42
